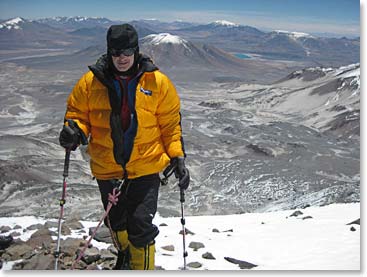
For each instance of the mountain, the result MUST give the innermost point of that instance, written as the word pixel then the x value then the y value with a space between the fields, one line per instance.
pixel 21 33
pixel 186 60
pixel 171 50
pixel 330 97
pixel 250 147
pixel 220 33
pixel 282 45
pixel 181 59
pixel 224 28
pixel 76 22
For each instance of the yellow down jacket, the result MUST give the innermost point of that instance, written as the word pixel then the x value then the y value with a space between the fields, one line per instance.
pixel 154 135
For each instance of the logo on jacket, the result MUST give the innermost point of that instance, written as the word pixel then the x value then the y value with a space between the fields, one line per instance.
pixel 146 91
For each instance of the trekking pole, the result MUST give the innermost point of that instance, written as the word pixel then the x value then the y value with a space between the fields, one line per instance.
pixel 62 202
pixel 182 200
pixel 84 141
pixel 167 173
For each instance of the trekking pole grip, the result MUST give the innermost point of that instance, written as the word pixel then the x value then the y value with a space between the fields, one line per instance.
pixel 66 163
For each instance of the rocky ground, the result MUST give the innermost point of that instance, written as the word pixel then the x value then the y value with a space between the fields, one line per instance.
pixel 310 238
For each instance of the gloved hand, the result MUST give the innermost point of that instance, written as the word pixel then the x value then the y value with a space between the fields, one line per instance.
pixel 181 172
pixel 70 136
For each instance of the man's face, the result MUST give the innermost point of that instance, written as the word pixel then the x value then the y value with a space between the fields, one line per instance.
pixel 123 63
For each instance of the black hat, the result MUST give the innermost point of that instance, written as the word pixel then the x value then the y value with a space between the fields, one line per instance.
pixel 122 37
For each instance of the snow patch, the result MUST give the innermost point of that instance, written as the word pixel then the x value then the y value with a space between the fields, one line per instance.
pixel 225 23
pixel 294 35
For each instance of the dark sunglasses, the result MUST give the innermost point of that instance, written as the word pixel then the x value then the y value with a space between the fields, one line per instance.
pixel 125 52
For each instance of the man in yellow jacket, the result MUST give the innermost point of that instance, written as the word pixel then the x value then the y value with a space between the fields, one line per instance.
pixel 130 113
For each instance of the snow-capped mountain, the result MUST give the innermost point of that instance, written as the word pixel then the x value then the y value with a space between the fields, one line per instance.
pixel 167 49
pixel 81 32
pixel 221 28
pixel 76 22
pixel 165 38
pixel 19 32
pixel 174 54
pixel 14 23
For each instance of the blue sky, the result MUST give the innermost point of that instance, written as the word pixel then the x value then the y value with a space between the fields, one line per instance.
pixel 312 16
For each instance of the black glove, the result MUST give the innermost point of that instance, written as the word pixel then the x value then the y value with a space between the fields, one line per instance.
pixel 181 172
pixel 70 136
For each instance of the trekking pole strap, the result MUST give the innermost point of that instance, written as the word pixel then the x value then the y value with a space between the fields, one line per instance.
pixel 113 199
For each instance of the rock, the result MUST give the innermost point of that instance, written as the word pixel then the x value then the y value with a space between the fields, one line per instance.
pixel 241 264
pixel 103 234
pixel 106 255
pixel 5 241
pixel 260 149
pixel 74 224
pixel 80 265
pixel 40 238
pixel 196 245
pixel 229 230
pixel 306 217
pixel 352 229
pixel 16 227
pixel 158 267
pixel 112 249
pixel 208 256
pixel 35 227
pixel 194 265
pixel 69 246
pixel 68 261
pixel 43 232
pixel 65 230
pixel 17 251
pixel 187 232
pixel 51 224
pixel 163 225
pixel 215 230
pixel 4 229
pixel 40 262
pixel 357 221
pixel 168 247
pixel 90 255
pixel 296 213
pixel 92 267
pixel 15 234
pixel 108 265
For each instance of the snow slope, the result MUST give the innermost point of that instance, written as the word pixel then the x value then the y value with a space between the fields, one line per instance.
pixel 273 241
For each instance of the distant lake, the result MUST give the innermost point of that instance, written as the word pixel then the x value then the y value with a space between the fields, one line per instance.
pixel 242 56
